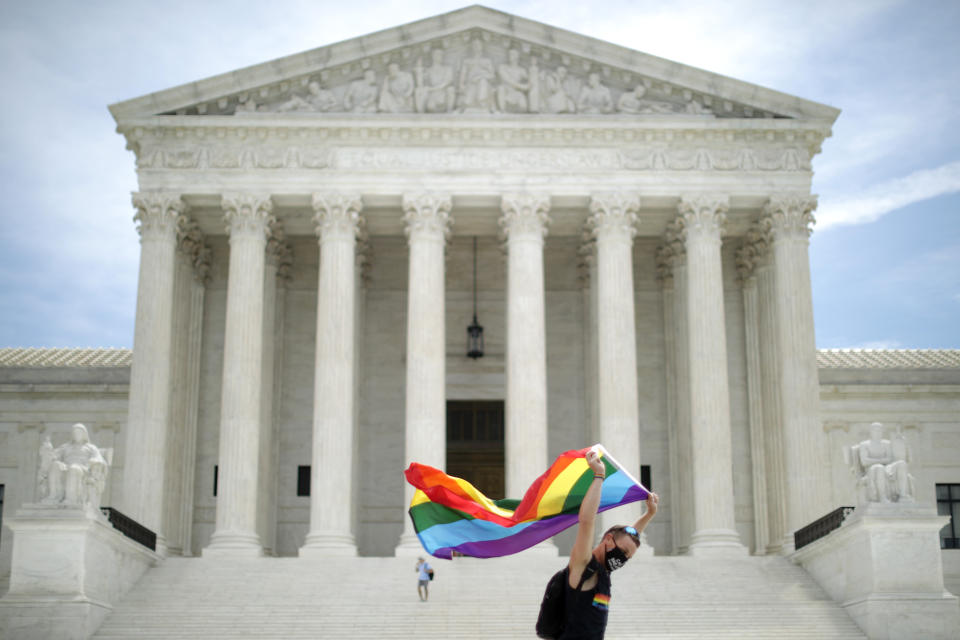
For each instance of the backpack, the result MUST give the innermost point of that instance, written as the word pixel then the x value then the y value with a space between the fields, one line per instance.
pixel 553 610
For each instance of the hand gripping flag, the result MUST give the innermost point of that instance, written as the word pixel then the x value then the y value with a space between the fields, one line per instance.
pixel 449 514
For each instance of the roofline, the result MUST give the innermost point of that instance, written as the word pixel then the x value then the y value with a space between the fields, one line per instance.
pixel 372 44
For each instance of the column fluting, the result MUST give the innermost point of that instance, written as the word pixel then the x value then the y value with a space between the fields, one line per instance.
pixel 612 223
pixel 248 219
pixel 703 218
pixel 148 418
pixel 427 218
pixel 338 222
pixel 524 223
pixel 747 258
pixel 789 219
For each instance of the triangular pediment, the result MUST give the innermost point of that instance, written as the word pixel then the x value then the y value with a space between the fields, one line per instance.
pixel 472 61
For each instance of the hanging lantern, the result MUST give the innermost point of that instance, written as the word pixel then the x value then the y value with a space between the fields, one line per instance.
pixel 474 331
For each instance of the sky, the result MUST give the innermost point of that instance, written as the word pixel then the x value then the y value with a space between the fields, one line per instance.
pixel 885 253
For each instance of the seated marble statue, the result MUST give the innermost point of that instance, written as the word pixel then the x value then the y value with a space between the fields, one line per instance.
pixel 435 92
pixel 594 97
pixel 75 473
pixel 881 469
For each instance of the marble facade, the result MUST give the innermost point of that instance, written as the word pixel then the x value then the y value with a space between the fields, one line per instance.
pixel 389 159
pixel 306 278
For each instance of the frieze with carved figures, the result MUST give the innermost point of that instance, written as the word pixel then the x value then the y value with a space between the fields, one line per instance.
pixel 474 73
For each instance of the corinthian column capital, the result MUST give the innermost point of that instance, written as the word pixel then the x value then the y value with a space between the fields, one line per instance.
pixel 746 259
pixel 789 215
pixel 703 215
pixel 279 251
pixel 247 214
pixel 524 213
pixel 671 253
pixel 753 252
pixel 192 244
pixel 614 213
pixel 337 215
pixel 158 213
pixel 427 213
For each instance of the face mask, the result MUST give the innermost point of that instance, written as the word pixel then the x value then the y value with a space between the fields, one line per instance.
pixel 616 558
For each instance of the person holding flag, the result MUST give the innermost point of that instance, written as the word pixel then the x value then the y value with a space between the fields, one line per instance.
pixel 451 516
pixel 587 590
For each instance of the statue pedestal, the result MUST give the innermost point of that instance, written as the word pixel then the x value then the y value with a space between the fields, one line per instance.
pixel 69 567
pixel 884 566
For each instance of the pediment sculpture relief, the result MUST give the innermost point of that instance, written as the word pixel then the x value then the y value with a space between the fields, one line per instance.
pixel 473 79
pixel 75 473
pixel 881 468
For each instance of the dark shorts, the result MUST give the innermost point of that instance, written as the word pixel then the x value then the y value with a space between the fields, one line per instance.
pixel 422 583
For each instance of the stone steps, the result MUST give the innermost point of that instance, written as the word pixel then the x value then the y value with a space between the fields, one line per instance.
pixel 662 597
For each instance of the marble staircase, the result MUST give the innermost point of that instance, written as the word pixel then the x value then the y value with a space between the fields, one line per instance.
pixel 653 597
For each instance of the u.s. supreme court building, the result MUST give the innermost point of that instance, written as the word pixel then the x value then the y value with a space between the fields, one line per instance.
pixel 319 233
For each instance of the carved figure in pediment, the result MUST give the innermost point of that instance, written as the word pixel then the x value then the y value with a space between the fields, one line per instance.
pixel 534 93
pixel 695 108
pixel 75 473
pixel 594 97
pixel 317 99
pixel 557 94
pixel 435 92
pixel 246 105
pixel 476 81
pixel 396 96
pixel 635 102
pixel 880 467
pixel 514 85
pixel 361 96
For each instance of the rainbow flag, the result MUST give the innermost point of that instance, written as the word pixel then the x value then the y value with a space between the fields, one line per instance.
pixel 449 514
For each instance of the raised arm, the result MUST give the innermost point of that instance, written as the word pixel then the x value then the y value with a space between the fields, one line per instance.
pixel 583 546
pixel 653 502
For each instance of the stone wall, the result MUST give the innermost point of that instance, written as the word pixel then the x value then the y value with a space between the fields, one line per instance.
pixel 45 402
pixel 925 404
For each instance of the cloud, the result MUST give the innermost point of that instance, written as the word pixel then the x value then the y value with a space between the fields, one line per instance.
pixel 888 196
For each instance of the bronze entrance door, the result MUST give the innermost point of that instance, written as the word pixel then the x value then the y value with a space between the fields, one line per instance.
pixel 475 444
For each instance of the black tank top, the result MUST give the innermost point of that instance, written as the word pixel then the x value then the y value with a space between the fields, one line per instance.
pixel 587 610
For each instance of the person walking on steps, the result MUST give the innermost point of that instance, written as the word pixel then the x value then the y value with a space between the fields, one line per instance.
pixel 588 584
pixel 424 571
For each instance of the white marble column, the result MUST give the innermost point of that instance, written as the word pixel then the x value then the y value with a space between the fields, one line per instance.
pixel 148 418
pixel 587 267
pixel 789 219
pixel 427 218
pixel 173 478
pixel 746 264
pixel 665 278
pixel 671 267
pixel 703 218
pixel 189 285
pixel 277 263
pixel 684 503
pixel 524 224
pixel 770 393
pixel 613 224
pixel 248 219
pixel 338 220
